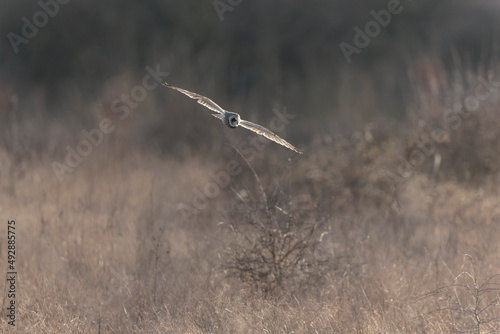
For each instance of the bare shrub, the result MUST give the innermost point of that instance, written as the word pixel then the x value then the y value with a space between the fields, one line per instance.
pixel 470 303
pixel 273 249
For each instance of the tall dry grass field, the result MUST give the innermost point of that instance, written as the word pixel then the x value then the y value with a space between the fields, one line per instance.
pixel 169 222
pixel 383 229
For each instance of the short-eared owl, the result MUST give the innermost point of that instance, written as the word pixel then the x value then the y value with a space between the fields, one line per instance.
pixel 232 119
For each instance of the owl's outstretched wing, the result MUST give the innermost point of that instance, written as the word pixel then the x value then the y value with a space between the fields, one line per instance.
pixel 204 101
pixel 268 134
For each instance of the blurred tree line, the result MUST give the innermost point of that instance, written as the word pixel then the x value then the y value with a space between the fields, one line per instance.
pixel 262 54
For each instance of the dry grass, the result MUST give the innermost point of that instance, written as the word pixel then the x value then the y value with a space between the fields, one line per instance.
pixel 109 246
pixel 371 251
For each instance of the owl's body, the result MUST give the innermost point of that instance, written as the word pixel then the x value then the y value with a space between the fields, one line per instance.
pixel 233 120
pixel 229 119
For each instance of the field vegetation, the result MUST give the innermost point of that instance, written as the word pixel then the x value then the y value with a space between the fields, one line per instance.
pixel 171 223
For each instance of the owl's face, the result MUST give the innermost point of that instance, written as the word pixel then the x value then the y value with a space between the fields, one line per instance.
pixel 233 120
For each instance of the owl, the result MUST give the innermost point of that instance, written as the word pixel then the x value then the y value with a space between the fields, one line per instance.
pixel 232 119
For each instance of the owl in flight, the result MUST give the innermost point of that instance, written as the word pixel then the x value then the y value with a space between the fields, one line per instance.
pixel 232 120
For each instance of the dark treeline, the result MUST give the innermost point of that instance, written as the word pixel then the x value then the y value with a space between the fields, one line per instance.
pixel 256 54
